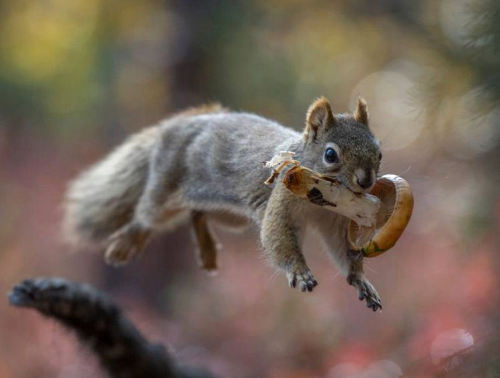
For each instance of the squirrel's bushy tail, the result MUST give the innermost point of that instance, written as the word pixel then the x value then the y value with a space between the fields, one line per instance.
pixel 102 199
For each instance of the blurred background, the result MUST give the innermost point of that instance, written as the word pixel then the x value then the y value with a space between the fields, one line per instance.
pixel 77 76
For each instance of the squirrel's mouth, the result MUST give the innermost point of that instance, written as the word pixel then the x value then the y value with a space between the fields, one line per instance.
pixel 348 184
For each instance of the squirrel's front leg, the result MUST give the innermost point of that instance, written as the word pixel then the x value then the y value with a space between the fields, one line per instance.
pixel 279 237
pixel 333 229
pixel 357 279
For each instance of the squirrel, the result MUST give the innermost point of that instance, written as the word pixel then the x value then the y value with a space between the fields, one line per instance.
pixel 205 165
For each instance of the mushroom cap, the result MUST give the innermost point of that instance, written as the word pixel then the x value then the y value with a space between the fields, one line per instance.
pixel 393 216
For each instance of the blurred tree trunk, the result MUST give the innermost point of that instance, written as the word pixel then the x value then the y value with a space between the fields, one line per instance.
pixel 187 75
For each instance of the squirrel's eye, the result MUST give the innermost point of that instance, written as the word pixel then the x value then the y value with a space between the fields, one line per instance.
pixel 331 155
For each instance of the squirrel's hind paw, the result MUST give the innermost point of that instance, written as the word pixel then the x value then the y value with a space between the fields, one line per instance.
pixel 125 244
pixel 302 278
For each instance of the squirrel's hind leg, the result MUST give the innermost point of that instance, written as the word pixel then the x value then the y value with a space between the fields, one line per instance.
pixel 207 244
pixel 126 243
pixel 130 240
pixel 151 211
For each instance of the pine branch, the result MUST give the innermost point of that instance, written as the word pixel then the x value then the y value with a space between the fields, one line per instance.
pixel 101 325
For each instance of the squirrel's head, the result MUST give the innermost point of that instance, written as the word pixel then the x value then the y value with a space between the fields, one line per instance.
pixel 342 145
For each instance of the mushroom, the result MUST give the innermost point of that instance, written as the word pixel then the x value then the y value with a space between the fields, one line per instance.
pixel 377 220
pixel 392 218
pixel 322 190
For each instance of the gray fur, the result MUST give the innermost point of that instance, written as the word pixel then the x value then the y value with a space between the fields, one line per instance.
pixel 213 163
pixel 102 198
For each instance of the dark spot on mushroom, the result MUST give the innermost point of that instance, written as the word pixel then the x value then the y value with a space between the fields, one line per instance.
pixel 316 197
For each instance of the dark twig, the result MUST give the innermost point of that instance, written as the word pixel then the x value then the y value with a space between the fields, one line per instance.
pixel 100 324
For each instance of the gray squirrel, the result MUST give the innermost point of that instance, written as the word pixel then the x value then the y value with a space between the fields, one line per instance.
pixel 205 164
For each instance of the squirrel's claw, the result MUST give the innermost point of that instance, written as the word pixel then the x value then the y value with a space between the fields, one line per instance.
pixel 304 280
pixel 366 291
pixel 125 244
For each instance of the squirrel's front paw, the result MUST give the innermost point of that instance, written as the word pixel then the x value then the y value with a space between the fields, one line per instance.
pixel 301 277
pixel 125 244
pixel 366 291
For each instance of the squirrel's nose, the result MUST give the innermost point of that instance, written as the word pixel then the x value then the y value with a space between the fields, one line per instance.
pixel 364 178
pixel 365 183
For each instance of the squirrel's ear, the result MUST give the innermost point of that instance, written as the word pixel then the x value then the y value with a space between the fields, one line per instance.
pixel 361 112
pixel 319 118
